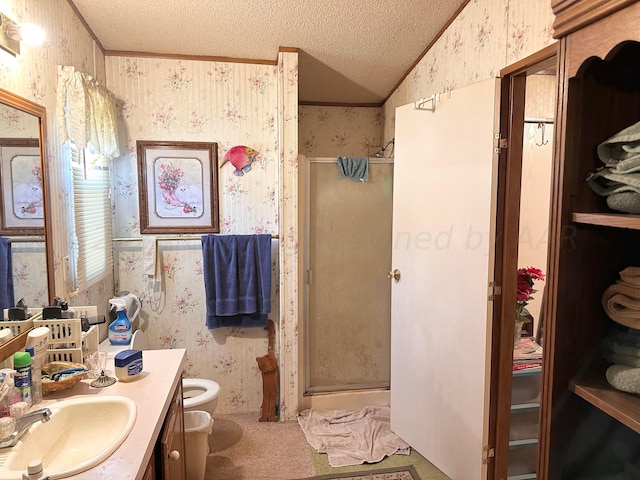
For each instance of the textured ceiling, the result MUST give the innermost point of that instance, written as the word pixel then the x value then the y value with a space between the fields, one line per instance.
pixel 351 51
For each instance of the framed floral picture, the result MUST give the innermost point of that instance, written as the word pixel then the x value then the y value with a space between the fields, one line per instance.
pixel 21 195
pixel 178 187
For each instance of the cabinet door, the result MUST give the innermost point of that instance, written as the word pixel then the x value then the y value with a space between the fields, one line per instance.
pixel 172 442
pixel 150 472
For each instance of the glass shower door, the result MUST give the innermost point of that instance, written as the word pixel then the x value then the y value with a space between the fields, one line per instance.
pixel 348 324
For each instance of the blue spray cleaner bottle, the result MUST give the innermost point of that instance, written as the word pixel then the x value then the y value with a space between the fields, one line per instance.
pixel 120 329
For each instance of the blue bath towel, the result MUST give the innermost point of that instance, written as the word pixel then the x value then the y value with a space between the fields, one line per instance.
pixel 237 280
pixel 6 274
pixel 355 168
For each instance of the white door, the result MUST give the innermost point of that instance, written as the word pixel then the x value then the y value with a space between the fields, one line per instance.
pixel 443 226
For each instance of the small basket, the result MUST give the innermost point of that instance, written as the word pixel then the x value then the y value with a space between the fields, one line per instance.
pixel 50 368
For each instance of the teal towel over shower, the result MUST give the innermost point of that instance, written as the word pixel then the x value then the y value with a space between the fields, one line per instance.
pixel 355 168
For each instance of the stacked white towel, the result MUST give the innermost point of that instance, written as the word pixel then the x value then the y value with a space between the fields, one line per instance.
pixel 619 178
pixel 621 302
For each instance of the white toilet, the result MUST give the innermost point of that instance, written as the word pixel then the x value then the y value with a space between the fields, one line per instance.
pixel 200 394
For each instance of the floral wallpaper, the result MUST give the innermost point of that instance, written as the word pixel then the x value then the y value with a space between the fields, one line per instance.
pixel 485 37
pixel 333 131
pixel 289 203
pixel 230 104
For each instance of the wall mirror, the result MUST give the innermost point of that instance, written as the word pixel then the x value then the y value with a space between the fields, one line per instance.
pixel 24 190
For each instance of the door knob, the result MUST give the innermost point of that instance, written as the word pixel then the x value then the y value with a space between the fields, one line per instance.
pixel 395 275
pixel 174 455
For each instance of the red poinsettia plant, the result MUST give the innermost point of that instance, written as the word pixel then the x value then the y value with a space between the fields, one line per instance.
pixel 526 279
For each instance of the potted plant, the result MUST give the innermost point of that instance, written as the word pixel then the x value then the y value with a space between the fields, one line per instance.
pixel 526 279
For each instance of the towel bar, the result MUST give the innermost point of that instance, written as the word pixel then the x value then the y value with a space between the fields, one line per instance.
pixel 181 237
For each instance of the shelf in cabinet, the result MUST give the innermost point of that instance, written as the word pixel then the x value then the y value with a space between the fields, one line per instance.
pixel 622 406
pixel 527 371
pixel 525 476
pixel 522 443
pixel 619 220
pixel 525 407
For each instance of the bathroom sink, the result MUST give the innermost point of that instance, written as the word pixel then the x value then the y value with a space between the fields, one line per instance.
pixel 81 433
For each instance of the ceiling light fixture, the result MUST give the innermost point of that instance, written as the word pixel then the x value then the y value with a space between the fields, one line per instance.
pixel 12 33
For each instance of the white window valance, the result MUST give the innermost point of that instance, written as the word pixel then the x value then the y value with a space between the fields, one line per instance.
pixel 86 113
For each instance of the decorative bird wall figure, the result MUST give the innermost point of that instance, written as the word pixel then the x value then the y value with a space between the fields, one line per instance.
pixel 240 157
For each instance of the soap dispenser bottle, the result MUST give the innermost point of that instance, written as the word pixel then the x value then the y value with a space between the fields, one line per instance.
pixel 120 329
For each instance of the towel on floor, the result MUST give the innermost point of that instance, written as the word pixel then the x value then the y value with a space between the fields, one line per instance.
pixel 352 437
pixel 355 168
pixel 6 274
pixel 237 280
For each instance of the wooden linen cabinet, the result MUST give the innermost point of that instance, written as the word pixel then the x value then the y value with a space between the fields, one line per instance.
pixel 588 429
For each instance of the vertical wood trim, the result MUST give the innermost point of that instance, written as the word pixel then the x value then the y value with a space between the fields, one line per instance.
pixel 508 218
pixel 555 238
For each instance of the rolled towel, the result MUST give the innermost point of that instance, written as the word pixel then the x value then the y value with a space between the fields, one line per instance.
pixel 624 378
pixel 623 146
pixel 621 359
pixel 627 202
pixel 631 276
pixel 624 335
pixel 610 345
pixel 621 302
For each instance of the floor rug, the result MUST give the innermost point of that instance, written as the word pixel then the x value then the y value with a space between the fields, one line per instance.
pixel 402 473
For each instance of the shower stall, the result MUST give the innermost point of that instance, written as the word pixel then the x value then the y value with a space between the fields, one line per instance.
pixel 347 321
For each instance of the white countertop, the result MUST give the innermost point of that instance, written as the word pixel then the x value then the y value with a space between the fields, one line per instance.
pixel 151 391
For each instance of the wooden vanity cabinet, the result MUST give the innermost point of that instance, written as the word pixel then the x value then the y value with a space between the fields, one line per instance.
pixel 171 447
pixel 588 429
pixel 168 459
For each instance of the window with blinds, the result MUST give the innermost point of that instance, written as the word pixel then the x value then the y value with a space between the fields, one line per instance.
pixel 92 212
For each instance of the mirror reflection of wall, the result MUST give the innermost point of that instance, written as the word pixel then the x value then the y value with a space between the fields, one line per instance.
pixel 536 181
pixel 22 203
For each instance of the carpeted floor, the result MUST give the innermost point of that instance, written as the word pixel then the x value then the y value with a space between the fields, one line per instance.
pixel 242 448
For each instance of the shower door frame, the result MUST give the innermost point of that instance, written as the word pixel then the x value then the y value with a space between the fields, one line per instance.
pixel 308 391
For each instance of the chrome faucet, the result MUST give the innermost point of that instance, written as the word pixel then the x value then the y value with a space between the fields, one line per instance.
pixel 23 424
